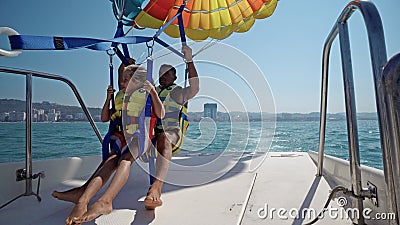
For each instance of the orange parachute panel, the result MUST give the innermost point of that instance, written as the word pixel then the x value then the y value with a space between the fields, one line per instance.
pixel 206 18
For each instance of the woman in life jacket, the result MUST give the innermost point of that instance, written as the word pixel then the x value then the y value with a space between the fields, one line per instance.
pixel 135 76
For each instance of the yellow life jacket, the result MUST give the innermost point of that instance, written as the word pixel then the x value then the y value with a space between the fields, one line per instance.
pixel 117 115
pixel 175 116
pixel 134 104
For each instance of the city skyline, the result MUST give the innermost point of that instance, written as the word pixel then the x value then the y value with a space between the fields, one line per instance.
pixel 210 111
pixel 47 102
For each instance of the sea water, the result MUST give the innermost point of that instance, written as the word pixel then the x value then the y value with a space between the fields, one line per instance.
pixel 60 140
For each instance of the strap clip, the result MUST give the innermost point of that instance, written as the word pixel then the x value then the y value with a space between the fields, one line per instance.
pixel 111 52
pixel 150 45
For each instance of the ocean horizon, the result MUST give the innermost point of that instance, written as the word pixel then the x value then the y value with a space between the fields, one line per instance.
pixel 73 139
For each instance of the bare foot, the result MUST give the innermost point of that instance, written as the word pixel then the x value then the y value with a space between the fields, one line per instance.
pixel 76 213
pixel 71 195
pixel 152 199
pixel 97 209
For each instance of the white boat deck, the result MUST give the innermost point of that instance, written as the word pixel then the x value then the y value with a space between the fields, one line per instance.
pixel 284 180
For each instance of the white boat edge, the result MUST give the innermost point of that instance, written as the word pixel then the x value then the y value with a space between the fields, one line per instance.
pixel 284 180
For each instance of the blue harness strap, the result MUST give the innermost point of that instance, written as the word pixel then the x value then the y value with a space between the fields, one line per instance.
pixel 149 77
pixel 178 14
pixel 181 31
pixel 107 141
pixel 121 56
pixel 120 33
pixel 152 165
pixel 31 42
pixel 165 45
pixel 181 26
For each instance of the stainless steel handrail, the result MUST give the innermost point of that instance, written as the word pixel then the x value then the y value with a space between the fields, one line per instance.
pixel 391 159
pixel 377 47
pixel 28 130
pixel 62 79
pixel 27 175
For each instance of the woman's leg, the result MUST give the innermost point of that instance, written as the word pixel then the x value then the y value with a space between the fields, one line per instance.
pixel 73 194
pixel 104 204
pixel 99 179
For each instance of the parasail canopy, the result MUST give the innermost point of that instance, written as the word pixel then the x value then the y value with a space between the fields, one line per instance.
pixel 202 18
pixel 126 10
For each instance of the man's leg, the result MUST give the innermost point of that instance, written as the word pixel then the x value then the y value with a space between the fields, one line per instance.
pixel 165 141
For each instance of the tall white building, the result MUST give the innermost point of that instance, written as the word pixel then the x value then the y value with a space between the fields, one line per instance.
pixel 210 110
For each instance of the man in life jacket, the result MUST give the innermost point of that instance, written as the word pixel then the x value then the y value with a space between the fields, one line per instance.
pixel 167 130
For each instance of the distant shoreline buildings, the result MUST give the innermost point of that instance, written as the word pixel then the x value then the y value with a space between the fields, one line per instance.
pixel 14 111
pixel 40 115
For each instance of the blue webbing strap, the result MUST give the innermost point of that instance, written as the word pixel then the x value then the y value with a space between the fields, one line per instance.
pixel 181 30
pixel 106 141
pixel 159 41
pixel 142 132
pixel 149 77
pixel 120 33
pixel 31 42
pixel 162 28
pixel 126 51
pixel 181 26
pixel 122 57
pixel 105 146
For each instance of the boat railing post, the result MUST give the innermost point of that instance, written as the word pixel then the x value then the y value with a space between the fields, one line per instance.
pixel 324 98
pixel 378 55
pixel 386 114
pixel 391 154
pixel 28 161
pixel 351 115
pixel 26 173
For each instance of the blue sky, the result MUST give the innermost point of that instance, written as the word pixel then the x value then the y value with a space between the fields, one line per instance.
pixel 287 48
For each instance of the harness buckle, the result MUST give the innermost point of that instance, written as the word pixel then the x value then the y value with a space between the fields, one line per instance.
pixel 150 48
